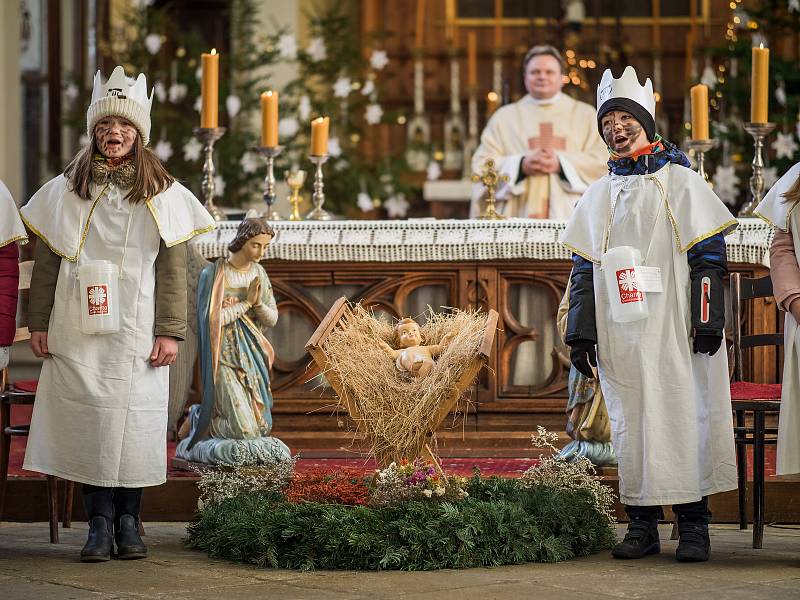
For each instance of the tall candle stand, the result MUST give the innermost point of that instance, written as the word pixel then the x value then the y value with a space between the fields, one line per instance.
pixel 700 147
pixel 208 136
pixel 454 121
pixel 497 72
pixel 318 197
pixel 419 126
pixel 759 131
pixel 270 153
pixel 471 143
pixel 490 178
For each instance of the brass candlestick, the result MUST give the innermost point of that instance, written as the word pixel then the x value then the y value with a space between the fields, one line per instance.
pixel 700 147
pixel 490 178
pixel 208 136
pixel 270 153
pixel 318 197
pixel 295 179
pixel 759 131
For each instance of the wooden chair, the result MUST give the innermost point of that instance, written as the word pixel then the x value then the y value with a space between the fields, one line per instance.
pixel 747 397
pixel 19 394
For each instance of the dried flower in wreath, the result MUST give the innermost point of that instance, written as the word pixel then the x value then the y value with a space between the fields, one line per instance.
pixel 220 483
pixel 558 473
pixel 415 480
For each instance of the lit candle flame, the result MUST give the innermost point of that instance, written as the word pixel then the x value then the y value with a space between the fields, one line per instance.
pixel 213 51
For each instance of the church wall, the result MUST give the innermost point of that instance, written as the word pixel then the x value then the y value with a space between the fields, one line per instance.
pixel 636 48
pixel 11 98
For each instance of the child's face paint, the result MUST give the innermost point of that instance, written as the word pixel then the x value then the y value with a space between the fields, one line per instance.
pixel 115 136
pixel 622 132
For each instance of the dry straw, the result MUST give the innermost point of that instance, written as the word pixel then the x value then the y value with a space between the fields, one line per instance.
pixel 393 409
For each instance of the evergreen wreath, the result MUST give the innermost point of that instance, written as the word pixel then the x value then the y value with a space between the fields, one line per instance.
pixel 499 523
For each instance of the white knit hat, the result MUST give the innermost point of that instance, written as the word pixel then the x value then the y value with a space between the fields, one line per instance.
pixel 120 98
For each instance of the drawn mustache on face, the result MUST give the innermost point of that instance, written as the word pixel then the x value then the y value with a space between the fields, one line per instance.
pixel 621 139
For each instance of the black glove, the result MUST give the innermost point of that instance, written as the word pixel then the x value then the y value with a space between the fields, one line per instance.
pixel 706 344
pixel 583 356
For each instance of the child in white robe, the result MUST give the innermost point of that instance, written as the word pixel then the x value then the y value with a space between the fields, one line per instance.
pixel 664 378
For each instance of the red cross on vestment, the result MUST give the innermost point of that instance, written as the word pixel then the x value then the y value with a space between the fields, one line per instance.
pixel 546 140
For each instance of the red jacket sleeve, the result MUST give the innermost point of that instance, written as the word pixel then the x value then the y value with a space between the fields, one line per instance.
pixel 9 280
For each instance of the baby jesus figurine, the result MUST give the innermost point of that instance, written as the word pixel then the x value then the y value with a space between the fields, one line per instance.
pixel 412 356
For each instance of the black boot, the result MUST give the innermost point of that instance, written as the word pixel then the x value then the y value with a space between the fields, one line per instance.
pixel 641 538
pixel 99 509
pixel 127 503
pixel 694 544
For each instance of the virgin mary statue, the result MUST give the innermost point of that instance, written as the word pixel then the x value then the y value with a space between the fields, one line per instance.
pixel 235 304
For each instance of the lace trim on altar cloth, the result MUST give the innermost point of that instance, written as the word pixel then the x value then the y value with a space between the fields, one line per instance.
pixel 442 240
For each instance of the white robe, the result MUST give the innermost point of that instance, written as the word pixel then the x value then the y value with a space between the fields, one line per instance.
pixel 782 215
pixel 100 415
pixel 565 125
pixel 670 409
pixel 11 228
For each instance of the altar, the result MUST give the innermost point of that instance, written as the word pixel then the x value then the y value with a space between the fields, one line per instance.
pixel 516 267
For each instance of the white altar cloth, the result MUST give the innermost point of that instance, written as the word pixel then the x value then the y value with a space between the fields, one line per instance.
pixel 424 240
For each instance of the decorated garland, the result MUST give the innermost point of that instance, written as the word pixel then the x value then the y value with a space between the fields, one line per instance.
pixel 405 517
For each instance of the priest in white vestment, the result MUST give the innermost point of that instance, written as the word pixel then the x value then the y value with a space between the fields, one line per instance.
pixel 546 143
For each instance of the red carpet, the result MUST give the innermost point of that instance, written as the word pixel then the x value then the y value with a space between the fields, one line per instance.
pixel 507 467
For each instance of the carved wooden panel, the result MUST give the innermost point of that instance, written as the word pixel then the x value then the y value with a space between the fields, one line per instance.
pixel 502 398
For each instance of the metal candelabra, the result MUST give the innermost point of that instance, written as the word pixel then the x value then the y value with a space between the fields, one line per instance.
pixel 270 153
pixel 700 147
pixel 318 197
pixel 208 136
pixel 759 131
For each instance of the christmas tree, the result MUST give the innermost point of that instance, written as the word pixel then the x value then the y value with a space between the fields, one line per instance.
pixel 333 78
pixel 727 73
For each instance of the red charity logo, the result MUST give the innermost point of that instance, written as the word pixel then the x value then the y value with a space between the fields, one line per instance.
pixel 628 286
pixel 98 299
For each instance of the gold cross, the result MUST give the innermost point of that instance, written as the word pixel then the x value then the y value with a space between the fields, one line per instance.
pixel 490 178
pixel 546 139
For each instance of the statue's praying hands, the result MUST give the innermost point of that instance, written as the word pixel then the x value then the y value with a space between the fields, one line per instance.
pixel 253 295
pixel 411 356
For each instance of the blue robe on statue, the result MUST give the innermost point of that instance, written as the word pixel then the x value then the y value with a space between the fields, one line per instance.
pixel 233 422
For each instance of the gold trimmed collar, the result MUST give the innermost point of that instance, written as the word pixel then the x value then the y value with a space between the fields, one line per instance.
pixel 22 239
pixel 785 228
pixel 185 238
pixel 84 232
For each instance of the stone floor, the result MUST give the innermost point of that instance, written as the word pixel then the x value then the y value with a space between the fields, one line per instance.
pixel 30 567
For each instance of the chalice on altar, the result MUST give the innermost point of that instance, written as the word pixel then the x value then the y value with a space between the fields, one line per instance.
pixel 295 179
pixel 490 178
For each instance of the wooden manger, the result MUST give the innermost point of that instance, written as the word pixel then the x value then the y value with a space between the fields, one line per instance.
pixel 443 397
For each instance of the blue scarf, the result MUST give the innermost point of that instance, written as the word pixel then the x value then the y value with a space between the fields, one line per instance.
pixel 644 164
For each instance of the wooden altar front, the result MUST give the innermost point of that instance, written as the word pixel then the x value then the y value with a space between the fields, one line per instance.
pixel 516 268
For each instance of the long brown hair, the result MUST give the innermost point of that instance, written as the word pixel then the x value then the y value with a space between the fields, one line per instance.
pixel 793 193
pixel 152 177
pixel 248 229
